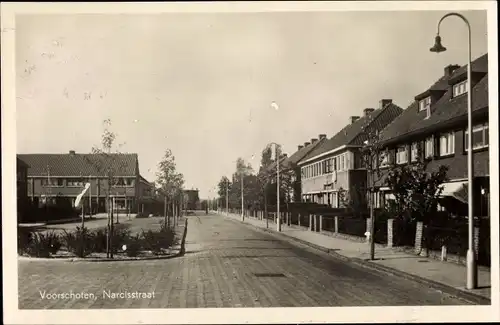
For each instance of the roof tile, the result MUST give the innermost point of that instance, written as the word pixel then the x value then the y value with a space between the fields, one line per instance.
pixel 80 164
pixel 353 134
pixel 412 121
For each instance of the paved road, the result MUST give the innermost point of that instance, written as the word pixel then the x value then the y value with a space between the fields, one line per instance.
pixel 221 268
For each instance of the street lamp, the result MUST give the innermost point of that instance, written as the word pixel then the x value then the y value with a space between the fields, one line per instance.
pixel 278 219
pixel 371 201
pixel 437 48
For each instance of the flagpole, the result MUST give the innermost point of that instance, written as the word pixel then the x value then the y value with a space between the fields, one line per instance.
pixel 90 197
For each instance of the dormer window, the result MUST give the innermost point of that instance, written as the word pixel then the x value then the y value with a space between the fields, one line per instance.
pixel 460 88
pixel 424 104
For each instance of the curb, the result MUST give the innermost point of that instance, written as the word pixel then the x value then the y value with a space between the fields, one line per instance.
pixel 468 296
pixel 179 248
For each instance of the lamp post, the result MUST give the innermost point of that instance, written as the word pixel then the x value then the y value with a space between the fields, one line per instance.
pixel 437 48
pixel 371 200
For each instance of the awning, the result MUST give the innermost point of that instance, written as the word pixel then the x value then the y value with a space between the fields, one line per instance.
pixel 458 190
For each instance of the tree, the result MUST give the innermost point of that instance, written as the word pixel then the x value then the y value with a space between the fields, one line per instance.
pixel 223 189
pixel 372 155
pixel 170 182
pixel 107 163
pixel 416 191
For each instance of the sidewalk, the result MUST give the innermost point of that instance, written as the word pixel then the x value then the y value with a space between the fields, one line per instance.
pixel 445 276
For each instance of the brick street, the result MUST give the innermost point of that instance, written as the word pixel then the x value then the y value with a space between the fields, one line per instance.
pixel 221 268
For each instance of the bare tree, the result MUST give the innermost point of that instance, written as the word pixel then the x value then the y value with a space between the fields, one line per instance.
pixel 107 162
pixel 170 182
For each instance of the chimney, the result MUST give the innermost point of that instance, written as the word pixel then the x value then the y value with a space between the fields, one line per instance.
pixel 385 102
pixel 367 111
pixel 306 144
pixel 300 146
pixel 322 136
pixel 353 119
pixel 72 152
pixel 448 71
pixel 314 140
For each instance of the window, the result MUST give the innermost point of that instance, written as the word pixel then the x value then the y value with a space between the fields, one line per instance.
pixel 384 158
pixel 429 147
pixel 328 166
pixel 480 136
pixel 424 104
pixel 447 144
pixel 414 151
pixel 401 155
pixel 460 88
pixel 75 182
pixel 342 162
pixel 52 182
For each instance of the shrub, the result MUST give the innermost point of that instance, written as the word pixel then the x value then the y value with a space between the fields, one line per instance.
pixel 121 235
pixel 24 238
pixel 99 240
pixel 54 242
pixel 142 215
pixel 42 245
pixel 157 241
pixel 79 242
pixel 134 245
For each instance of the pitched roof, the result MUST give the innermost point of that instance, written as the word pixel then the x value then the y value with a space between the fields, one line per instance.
pixel 353 134
pixel 80 164
pixel 288 162
pixel 21 163
pixel 446 110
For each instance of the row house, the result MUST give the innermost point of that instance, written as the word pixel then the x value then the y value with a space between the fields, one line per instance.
pixel 22 188
pixel 435 125
pixel 59 178
pixel 336 164
pixel 289 164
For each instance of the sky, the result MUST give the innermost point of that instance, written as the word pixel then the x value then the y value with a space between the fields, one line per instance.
pixel 204 84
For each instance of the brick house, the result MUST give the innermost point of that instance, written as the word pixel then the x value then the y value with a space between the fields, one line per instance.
pixel 336 163
pixel 22 189
pixel 436 125
pixel 290 164
pixel 59 178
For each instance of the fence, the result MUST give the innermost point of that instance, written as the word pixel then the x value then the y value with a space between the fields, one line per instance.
pixel 352 226
pixel 441 232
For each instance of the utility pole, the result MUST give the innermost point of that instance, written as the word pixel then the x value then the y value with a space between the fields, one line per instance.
pixel 277 188
pixel 227 197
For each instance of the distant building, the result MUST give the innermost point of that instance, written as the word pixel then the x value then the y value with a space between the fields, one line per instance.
pixel 291 164
pixel 59 178
pixel 192 199
pixel 336 163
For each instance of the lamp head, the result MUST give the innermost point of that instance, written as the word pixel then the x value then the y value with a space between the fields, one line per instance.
pixel 438 47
